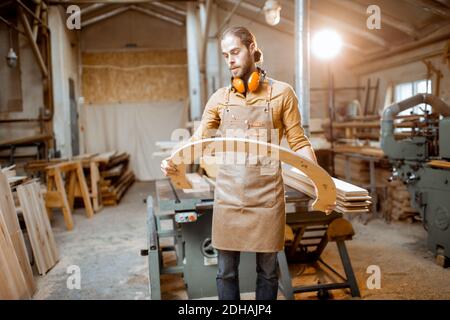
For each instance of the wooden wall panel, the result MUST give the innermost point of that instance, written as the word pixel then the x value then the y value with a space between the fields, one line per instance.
pixel 144 76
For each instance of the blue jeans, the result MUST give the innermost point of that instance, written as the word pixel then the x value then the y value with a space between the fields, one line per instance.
pixel 228 275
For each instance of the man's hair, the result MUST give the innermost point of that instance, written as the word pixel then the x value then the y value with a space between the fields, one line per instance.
pixel 247 38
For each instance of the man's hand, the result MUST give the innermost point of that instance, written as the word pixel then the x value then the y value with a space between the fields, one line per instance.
pixel 168 167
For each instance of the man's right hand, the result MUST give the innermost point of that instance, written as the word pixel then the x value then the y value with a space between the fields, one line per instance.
pixel 168 167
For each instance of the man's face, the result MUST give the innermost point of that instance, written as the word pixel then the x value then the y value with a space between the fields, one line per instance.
pixel 238 58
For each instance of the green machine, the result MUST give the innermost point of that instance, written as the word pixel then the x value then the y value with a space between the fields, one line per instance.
pixel 422 161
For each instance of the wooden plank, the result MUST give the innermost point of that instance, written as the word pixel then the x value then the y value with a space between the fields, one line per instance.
pixel 26 140
pixel 38 226
pixel 45 223
pixel 197 182
pixel 439 164
pixel 8 210
pixel 344 189
pixel 12 281
pixel 369 151
pixel 53 199
pixel 67 211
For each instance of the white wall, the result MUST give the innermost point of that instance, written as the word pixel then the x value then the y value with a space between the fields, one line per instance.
pixel 65 66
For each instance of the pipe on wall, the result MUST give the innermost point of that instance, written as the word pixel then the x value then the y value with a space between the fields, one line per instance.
pixel 302 75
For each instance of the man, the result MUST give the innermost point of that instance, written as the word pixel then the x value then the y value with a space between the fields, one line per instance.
pixel 249 204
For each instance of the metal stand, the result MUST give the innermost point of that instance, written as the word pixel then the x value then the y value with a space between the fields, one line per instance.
pixel 313 232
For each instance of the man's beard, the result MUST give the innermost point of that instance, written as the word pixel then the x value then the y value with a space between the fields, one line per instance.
pixel 244 71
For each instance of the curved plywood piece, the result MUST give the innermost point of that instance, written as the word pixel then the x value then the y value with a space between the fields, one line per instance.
pixel 323 183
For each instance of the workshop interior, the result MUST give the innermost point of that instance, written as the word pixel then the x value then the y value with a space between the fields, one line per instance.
pixel 95 94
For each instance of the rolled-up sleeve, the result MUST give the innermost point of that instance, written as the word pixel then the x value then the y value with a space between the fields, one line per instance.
pixel 295 135
pixel 210 119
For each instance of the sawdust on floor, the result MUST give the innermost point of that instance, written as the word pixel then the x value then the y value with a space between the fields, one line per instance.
pixel 107 250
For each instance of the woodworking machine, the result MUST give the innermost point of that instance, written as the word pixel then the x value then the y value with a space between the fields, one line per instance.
pixel 422 161
pixel 190 215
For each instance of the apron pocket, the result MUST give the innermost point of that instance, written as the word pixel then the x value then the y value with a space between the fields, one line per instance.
pixel 260 190
pixel 229 186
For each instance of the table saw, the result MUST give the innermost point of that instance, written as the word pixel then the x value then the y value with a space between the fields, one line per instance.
pixel 196 260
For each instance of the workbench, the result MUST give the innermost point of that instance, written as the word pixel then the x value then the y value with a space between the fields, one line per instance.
pixel 196 260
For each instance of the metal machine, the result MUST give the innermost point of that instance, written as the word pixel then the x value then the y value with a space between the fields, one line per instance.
pixel 422 161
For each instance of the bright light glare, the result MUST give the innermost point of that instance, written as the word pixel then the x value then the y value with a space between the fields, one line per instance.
pixel 326 44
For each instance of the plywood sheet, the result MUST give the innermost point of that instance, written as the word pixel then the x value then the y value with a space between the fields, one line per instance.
pixel 8 211
pixel 38 226
pixel 12 282
pixel 118 77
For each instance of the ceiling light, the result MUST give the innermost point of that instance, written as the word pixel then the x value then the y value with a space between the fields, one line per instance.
pixel 272 12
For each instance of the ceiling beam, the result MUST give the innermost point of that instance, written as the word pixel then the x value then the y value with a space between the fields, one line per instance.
pixel 338 23
pixel 120 10
pixel 288 22
pixel 66 2
pixel 228 18
pixel 433 7
pixel 104 16
pixel 389 20
pixel 168 8
pixel 33 44
pixel 157 15
pixel 350 28
pixel 92 7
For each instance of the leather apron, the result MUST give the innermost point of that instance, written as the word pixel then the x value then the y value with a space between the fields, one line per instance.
pixel 249 204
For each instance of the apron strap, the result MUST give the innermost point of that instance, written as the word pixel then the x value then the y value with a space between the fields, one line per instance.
pixel 269 93
pixel 227 96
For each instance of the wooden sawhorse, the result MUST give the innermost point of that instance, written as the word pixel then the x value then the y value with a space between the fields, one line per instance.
pixel 58 197
pixel 312 232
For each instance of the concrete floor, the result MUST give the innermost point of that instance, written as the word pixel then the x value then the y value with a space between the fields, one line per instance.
pixel 107 250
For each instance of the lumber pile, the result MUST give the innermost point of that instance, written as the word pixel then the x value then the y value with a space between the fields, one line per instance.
pixel 351 199
pixel 397 205
pixel 358 169
pixel 108 175
pixel 16 276
pixel 21 197
pixel 115 176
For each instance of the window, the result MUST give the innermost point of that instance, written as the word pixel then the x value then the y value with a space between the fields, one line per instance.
pixel 409 89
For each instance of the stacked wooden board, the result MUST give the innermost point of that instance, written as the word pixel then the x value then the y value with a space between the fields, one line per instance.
pixel 358 169
pixel 16 276
pixel 350 198
pixel 397 205
pixel 107 174
pixel 115 176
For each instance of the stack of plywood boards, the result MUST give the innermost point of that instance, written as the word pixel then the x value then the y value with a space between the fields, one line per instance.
pixel 16 276
pixel 115 176
pixel 350 198
pixel 358 169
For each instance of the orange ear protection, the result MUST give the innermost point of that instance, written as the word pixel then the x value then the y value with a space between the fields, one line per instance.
pixel 252 83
